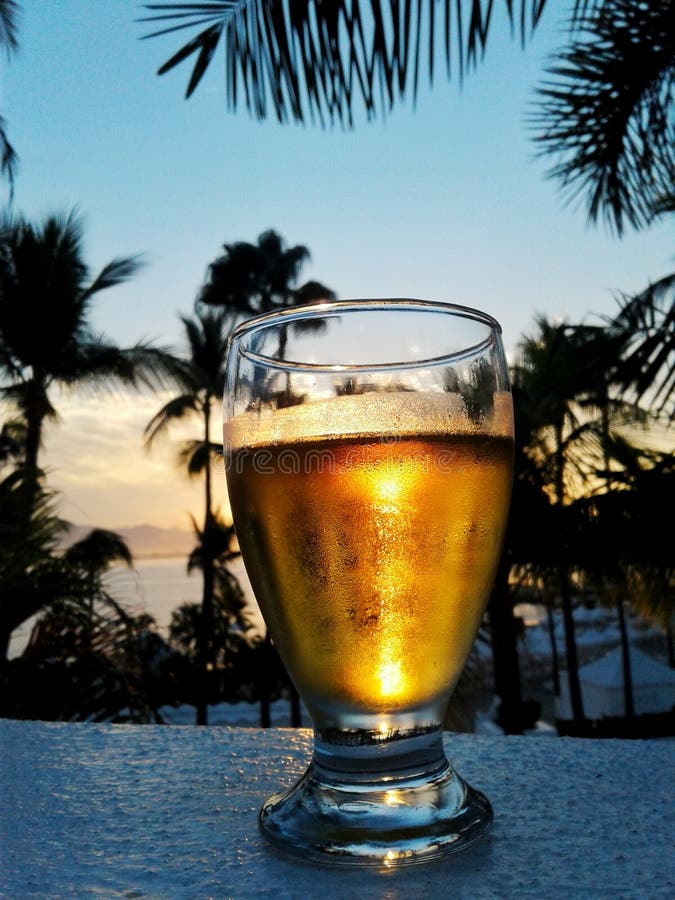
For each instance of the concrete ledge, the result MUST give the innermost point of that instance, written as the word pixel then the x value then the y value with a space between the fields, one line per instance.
pixel 167 812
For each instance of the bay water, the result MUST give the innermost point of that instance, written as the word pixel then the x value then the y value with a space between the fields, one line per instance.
pixel 155 586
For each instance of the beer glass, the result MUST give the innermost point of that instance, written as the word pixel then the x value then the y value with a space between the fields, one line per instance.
pixel 369 455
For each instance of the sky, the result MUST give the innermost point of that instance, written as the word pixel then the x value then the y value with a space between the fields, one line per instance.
pixel 444 201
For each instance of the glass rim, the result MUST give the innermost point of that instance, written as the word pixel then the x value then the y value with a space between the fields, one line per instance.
pixel 328 308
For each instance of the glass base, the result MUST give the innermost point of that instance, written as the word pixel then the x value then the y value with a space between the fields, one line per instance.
pixel 369 800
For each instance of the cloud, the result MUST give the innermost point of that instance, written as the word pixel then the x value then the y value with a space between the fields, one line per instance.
pixel 94 456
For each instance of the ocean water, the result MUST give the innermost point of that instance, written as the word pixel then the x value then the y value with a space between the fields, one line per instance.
pixel 158 586
pixel 155 587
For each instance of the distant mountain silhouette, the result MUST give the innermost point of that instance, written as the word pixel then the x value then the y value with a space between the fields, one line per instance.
pixel 144 540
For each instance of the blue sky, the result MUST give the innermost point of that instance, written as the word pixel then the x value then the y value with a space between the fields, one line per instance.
pixel 444 202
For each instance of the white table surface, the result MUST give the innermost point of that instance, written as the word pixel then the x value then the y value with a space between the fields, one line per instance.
pixel 170 812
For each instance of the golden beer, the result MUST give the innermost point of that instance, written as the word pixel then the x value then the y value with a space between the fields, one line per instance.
pixel 369 454
pixel 372 556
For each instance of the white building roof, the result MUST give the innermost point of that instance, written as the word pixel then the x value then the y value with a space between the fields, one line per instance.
pixel 645 670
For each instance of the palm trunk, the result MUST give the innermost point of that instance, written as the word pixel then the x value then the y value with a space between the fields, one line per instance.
pixel 205 656
pixel 33 440
pixel 555 664
pixel 576 699
pixel 505 653
pixel 625 659
pixel 565 592
pixel 620 611
pixel 34 412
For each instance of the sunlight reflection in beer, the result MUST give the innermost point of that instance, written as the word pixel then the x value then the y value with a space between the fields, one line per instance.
pixel 376 609
pixel 388 487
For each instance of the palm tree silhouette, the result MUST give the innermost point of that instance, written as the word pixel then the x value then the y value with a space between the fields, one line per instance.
pixel 31 575
pixel 318 60
pixel 644 331
pixel 551 378
pixel 603 109
pixel 208 634
pixel 202 386
pixel 251 278
pixel 261 277
pixel 605 112
pixel 78 662
pixel 576 387
pixel 85 657
pixel 625 362
pixel 623 546
pixel 46 336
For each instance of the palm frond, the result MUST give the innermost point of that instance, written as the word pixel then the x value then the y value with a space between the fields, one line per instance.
pixel 98 550
pixel 9 25
pixel 583 9
pixel 12 441
pixel 194 456
pixel 176 408
pixel 207 335
pixel 9 161
pixel 86 663
pixel 29 521
pixel 101 366
pixel 27 397
pixel 113 273
pixel 316 60
pixel 605 112
pixel 647 366
pixel 216 541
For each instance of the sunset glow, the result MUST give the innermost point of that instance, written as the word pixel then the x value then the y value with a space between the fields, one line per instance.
pixel 104 477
